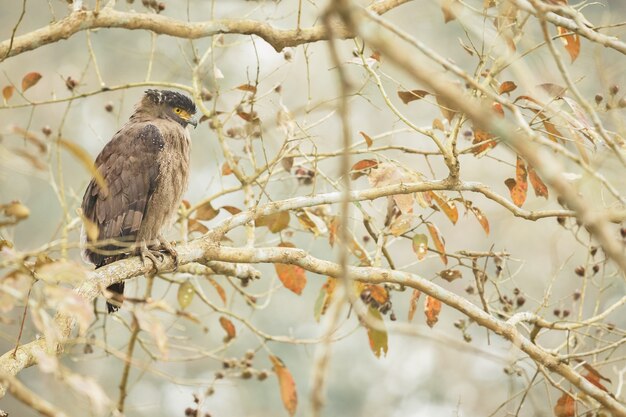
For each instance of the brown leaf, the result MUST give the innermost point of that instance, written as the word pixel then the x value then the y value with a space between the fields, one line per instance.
pixel 541 190
pixel 402 224
pixel 565 406
pixel 554 90
pixel 194 225
pixel 507 87
pixel 311 222
pixel 450 274
pixel 518 187
pixel 287 163
pixel 232 210
pixel 293 277
pixel 409 96
pixel 247 87
pixel 333 228
pixel 219 289
pixel 367 138
pixel 448 7
pixel 362 168
pixel 571 41
pixel 438 124
pixel 439 245
pixel 483 141
pixel 30 80
pixel 287 385
pixel 432 308
pixel 378 338
pixel 274 222
pixel 248 117
pixel 447 206
pixel 420 245
pixel 185 294
pixel 229 328
pixel 226 169
pixel 413 303
pixel 206 212
pixel 324 298
pixel 7 92
pixel 482 219
pixel 447 109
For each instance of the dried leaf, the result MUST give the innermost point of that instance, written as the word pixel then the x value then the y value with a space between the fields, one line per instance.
pixel 367 138
pixel 194 225
pixel 80 154
pixel 506 87
pixel 362 168
pixel 447 109
pixel 287 163
pixel 565 406
pixel 229 328
pixel 376 293
pixel 541 190
pixel 518 187
pixel 274 222
pixel 185 294
pixel 448 7
pixel 30 137
pixel 450 274
pixel 30 80
pixel 554 90
pixel 378 338
pixel 324 298
pixel 413 304
pixel 497 109
pixel 439 244
pixel 409 96
pixel 248 117
pixel 420 245
pixel 438 124
pixel 447 206
pixel 389 174
pixel 402 224
pixel 482 219
pixel 293 277
pixel 483 141
pixel 432 308
pixel 247 87
pixel 232 210
pixel 7 92
pixel 219 289
pixel 16 210
pixel 226 169
pixel 333 228
pixel 206 212
pixel 571 41
pixel 287 385
pixel 311 222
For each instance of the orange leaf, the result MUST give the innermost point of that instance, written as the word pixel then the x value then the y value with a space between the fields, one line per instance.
pixel 571 42
pixel 497 108
pixel 507 87
pixel 565 406
pixel 30 80
pixel 360 168
pixel 226 169
pixel 448 207
pixel 7 92
pixel 413 303
pixel 484 140
pixel 247 87
pixel 432 308
pixel 378 338
pixel 229 328
pixel 409 96
pixel 293 277
pixel 518 187
pixel 541 190
pixel 194 225
pixel 439 245
pixel 482 219
pixel 219 289
pixel 287 385
pixel 377 293
pixel 367 138
pixel 333 228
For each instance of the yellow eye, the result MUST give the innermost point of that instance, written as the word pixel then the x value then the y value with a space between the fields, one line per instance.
pixel 178 110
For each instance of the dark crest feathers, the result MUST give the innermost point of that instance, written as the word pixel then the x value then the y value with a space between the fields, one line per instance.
pixel 171 98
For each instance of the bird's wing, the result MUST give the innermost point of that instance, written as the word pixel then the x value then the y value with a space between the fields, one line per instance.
pixel 129 167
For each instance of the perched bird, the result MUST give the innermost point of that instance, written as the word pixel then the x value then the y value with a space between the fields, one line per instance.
pixel 145 168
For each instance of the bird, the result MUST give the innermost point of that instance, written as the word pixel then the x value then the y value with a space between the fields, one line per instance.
pixel 144 172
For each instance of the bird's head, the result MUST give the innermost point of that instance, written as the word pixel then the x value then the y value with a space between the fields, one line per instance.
pixel 170 105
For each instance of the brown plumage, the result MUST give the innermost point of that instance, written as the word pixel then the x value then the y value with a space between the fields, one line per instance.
pixel 146 168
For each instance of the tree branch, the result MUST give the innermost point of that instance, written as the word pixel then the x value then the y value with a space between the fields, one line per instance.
pixel 109 18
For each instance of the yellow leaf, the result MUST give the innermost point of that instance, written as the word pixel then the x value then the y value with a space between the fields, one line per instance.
pixel 185 294
pixel 439 245
pixel 378 338
pixel 432 308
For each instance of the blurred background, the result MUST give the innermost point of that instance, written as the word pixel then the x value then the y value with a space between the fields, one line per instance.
pixel 435 374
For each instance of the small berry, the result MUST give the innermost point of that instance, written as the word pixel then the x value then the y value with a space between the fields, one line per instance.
pixel 108 107
pixel 580 271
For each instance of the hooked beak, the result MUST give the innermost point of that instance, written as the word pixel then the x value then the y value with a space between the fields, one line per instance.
pixel 193 122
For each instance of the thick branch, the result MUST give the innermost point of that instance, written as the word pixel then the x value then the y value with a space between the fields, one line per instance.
pixel 109 18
